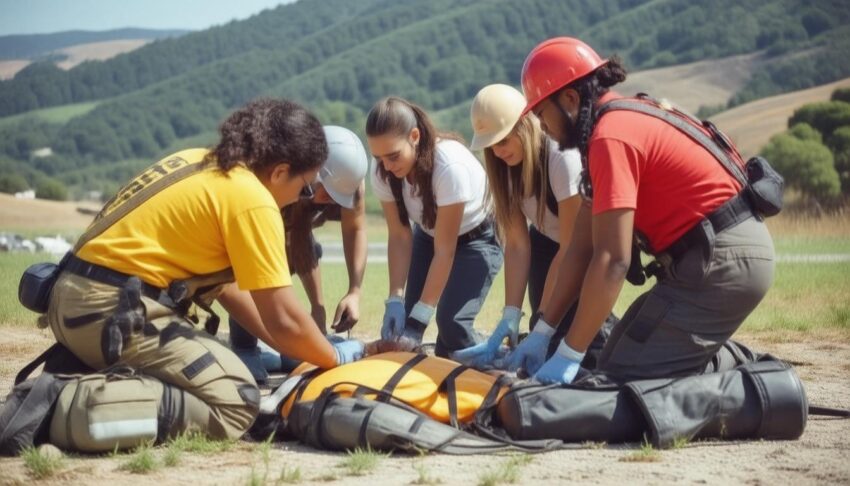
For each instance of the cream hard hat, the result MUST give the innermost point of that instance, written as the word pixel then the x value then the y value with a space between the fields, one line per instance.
pixel 495 110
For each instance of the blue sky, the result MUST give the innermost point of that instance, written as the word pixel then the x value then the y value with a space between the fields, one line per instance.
pixel 45 16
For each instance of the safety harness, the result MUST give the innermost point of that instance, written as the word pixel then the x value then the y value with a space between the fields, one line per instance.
pixel 750 202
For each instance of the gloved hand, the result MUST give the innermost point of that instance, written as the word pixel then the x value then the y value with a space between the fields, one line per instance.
pixel 483 354
pixel 417 322
pixel 393 318
pixel 348 351
pixel 562 367
pixel 531 352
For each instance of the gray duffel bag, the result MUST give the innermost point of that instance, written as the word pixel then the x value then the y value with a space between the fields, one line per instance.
pixel 760 400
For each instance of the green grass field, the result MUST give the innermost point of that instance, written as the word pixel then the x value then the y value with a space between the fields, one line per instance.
pixel 805 297
pixel 58 114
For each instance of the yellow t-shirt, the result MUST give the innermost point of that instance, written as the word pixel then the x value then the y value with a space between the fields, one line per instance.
pixel 202 224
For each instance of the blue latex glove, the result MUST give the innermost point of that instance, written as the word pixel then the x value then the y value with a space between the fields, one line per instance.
pixel 531 352
pixel 483 354
pixel 394 318
pixel 417 322
pixel 562 367
pixel 348 351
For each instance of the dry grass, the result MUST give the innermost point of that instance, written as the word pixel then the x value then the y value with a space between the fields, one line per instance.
pixel 751 125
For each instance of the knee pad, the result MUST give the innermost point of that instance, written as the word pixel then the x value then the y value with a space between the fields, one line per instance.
pixel 99 413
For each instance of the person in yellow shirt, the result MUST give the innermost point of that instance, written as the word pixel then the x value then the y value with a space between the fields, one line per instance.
pixel 166 245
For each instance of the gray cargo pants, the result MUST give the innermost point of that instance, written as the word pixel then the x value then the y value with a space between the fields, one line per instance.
pixel 677 327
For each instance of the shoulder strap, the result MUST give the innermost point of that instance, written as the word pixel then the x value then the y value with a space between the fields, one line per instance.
pixel 686 125
pixel 147 184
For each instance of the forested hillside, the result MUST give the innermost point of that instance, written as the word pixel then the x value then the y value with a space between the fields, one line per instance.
pixel 339 56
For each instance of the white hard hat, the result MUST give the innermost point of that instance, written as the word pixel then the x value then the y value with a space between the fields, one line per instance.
pixel 495 110
pixel 345 168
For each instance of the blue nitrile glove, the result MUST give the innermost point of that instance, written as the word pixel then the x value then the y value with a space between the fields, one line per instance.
pixel 483 354
pixel 417 322
pixel 394 318
pixel 531 352
pixel 348 351
pixel 562 367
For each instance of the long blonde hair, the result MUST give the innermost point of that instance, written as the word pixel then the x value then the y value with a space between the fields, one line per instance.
pixel 510 185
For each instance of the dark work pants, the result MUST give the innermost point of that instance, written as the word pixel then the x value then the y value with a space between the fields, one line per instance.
pixel 543 251
pixel 475 265
pixel 682 323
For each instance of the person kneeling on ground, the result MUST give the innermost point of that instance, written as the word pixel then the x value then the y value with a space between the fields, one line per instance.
pixel 122 301
pixel 337 195
pixel 530 179
pixel 646 178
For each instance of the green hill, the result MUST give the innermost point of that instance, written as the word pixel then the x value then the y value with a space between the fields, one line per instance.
pixel 339 56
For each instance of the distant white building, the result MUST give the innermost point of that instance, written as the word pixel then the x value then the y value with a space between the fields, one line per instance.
pixel 28 194
pixel 41 153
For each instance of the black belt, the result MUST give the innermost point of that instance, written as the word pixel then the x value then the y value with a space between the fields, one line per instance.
pixel 731 213
pixel 115 278
pixel 475 232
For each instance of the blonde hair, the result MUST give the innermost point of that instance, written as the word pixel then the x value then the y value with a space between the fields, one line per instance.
pixel 510 185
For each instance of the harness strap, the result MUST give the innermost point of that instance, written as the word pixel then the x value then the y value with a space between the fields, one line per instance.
pixel 450 385
pixel 105 219
pixel 686 126
pixel 389 387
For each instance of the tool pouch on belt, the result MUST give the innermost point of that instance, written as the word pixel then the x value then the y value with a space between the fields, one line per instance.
pixel 36 284
pixel 765 187
pixel 129 316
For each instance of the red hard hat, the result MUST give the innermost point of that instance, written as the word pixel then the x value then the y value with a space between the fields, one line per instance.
pixel 553 64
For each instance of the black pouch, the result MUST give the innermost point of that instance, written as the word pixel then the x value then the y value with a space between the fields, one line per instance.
pixel 37 283
pixel 765 187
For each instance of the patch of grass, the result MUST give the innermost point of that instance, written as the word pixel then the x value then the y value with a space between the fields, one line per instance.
pixel 424 476
pixel 362 461
pixel 143 461
pixel 173 455
pixel 680 443
pixel 327 477
pixel 196 442
pixel 289 476
pixel 41 465
pixel 56 114
pixel 646 453
pixel 506 473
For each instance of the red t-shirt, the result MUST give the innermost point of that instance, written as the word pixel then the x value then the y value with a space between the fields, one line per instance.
pixel 639 162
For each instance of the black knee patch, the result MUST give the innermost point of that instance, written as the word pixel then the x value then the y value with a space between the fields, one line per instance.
pixel 173 331
pixel 251 395
pixel 80 321
pixel 195 368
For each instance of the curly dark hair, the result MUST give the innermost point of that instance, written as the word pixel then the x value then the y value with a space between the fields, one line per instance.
pixel 267 132
pixel 398 116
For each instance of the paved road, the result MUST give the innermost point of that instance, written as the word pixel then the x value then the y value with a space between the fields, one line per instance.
pixel 378 254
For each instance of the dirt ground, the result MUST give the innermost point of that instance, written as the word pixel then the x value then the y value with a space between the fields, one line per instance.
pixel 820 456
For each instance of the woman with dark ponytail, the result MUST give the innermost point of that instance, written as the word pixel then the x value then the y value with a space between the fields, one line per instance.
pixel 446 263
pixel 656 176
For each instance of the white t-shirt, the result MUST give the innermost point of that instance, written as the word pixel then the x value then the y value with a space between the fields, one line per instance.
pixel 458 177
pixel 564 179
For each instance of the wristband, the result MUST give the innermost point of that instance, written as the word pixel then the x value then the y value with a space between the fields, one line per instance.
pixel 571 354
pixel 422 312
pixel 543 327
pixel 512 313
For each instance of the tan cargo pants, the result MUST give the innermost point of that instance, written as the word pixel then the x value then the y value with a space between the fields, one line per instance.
pixel 198 383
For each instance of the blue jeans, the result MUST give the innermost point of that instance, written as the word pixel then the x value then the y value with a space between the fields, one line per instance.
pixel 543 251
pixel 476 263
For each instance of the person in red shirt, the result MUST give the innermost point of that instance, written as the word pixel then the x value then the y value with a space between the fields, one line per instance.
pixel 643 180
